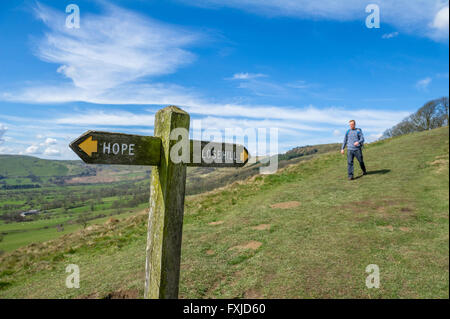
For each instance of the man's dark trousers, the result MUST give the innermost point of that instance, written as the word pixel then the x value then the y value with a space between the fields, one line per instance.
pixel 351 154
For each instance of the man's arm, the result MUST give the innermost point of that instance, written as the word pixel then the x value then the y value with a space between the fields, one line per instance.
pixel 361 137
pixel 345 142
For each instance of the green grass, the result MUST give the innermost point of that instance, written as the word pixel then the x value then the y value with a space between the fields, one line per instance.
pixel 22 234
pixel 12 166
pixel 396 218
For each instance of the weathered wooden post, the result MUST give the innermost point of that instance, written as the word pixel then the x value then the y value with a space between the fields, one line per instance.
pixel 165 223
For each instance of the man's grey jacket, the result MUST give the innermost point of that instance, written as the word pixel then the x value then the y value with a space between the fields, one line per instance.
pixel 351 137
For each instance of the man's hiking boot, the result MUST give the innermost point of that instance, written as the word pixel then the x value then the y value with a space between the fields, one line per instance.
pixel 364 173
pixel 350 178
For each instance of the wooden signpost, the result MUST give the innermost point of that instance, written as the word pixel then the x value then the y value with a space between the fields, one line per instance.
pixel 167 188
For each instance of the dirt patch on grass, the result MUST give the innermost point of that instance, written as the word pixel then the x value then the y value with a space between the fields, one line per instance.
pixel 43 256
pixel 286 205
pixel 210 252
pixel 111 221
pixel 124 294
pixel 120 294
pixel 386 209
pixel 388 227
pixel 253 245
pixel 94 295
pixel 441 163
pixel 220 222
pixel 405 229
pixel 262 227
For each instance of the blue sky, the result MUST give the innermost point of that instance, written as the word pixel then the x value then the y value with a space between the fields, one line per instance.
pixel 304 67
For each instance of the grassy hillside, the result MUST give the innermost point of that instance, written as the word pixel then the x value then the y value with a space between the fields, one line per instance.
pixel 18 172
pixel 26 165
pixel 26 172
pixel 68 193
pixel 305 232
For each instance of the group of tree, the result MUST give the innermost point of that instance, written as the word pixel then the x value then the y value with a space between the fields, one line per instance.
pixel 432 115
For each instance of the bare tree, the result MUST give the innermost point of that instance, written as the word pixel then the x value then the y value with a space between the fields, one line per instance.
pixel 432 115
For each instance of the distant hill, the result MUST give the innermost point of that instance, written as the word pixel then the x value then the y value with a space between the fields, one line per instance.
pixel 17 166
pixel 304 232
pixel 18 172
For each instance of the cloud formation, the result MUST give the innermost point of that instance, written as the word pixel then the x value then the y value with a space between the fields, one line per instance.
pixel 117 47
pixel 106 59
pixel 33 150
pixel 50 141
pixel 440 22
pixel 390 35
pixel 247 76
pixel 422 17
pixel 48 147
pixel 423 83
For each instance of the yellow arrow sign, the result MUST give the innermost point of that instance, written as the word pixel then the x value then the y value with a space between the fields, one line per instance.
pixel 89 146
pixel 244 156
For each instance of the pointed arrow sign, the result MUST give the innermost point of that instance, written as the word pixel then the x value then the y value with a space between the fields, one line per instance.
pixel 212 154
pixel 120 149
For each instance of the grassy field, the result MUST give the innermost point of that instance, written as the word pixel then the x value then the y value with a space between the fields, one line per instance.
pixel 305 232
pixel 64 209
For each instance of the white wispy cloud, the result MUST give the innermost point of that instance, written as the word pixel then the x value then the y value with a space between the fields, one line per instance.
pixel 49 147
pixel 247 76
pixel 51 151
pixel 50 141
pixel 440 23
pixel 110 50
pixel 297 126
pixel 110 118
pixel 390 35
pixel 301 85
pixel 305 115
pixel 337 133
pixel 421 17
pixel 33 150
pixel 259 85
pixel 423 83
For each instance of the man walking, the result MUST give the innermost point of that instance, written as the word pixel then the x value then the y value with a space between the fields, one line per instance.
pixel 354 140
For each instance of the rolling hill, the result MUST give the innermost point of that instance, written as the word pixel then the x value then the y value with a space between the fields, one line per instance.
pixel 305 232
pixel 69 195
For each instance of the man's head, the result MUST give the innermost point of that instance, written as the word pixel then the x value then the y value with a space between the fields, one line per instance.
pixel 352 124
